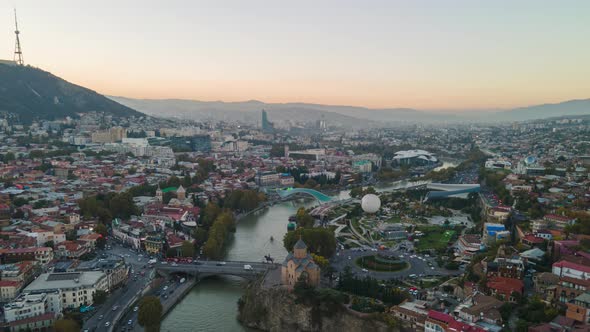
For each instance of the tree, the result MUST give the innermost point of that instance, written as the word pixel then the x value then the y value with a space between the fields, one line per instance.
pixel 99 297
pixel 65 325
pixel 320 241
pixel 101 229
pixel 302 289
pixel 212 249
pixel 49 244
pixel 8 157
pixel 320 260
pixel 304 219
pixel 200 235
pixel 121 205
pixel 150 313
pixel 188 249
pixel 210 213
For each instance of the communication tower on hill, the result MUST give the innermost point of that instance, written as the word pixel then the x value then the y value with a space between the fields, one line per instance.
pixel 18 53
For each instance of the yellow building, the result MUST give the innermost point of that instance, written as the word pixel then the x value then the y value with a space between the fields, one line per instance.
pixel 153 244
pixel 298 263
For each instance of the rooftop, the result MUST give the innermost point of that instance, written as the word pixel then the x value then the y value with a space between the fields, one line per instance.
pixel 49 281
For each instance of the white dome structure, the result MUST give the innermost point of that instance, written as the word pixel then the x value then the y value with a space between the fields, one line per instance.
pixel 370 203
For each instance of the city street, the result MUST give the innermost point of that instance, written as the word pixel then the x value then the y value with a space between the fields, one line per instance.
pixel 121 296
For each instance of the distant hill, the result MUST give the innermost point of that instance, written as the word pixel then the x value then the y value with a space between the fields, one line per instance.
pixel 32 93
pixel 249 111
pixel 566 108
pixel 351 116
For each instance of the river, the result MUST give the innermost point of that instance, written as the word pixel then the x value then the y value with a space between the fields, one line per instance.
pixel 212 303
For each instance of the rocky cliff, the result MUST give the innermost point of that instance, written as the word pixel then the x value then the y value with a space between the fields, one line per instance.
pixel 276 309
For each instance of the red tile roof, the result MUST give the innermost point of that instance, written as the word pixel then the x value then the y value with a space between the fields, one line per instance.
pixel 557 217
pixel 47 316
pixel 570 265
pixel 506 285
pixel 533 239
pixel 9 283
pixel 452 323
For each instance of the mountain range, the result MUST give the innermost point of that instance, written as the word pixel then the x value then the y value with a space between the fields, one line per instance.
pixel 249 111
pixel 31 93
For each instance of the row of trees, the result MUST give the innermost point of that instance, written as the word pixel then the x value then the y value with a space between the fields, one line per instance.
pixel 243 200
pixel 370 287
pixel 358 192
pixel 388 174
pixel 218 233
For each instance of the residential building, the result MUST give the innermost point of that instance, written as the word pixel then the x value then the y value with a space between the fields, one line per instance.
pixel 493 232
pixel 21 272
pixel 557 221
pixel 412 314
pixel 504 267
pixel 32 305
pixel 579 308
pixel 153 244
pixel 574 280
pixel 75 288
pixel 71 249
pixel 8 290
pixel 480 308
pixel 267 179
pixel 287 180
pixel 441 322
pixel 469 244
pixel 42 255
pixel 506 287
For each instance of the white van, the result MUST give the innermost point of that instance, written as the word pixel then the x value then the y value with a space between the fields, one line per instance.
pixel 248 267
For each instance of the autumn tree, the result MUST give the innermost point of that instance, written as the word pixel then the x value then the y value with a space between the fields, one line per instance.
pixel 150 313
pixel 65 325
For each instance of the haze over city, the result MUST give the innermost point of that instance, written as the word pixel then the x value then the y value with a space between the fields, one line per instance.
pixel 433 55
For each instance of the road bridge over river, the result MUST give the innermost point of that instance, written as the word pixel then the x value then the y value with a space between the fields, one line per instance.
pixel 203 269
pixel 319 196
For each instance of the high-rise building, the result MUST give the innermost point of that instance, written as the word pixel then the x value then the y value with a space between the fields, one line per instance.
pixel 267 126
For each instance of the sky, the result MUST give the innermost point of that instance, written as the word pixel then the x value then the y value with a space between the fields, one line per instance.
pixel 468 55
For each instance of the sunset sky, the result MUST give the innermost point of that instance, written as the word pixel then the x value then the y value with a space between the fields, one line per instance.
pixel 436 54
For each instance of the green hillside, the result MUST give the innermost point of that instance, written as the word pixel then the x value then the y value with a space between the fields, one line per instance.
pixel 32 93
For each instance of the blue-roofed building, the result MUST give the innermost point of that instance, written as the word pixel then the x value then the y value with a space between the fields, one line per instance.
pixel 493 232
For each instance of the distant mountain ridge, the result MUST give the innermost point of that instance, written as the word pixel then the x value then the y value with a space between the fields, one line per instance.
pixel 349 115
pixel 249 111
pixel 565 108
pixel 32 93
